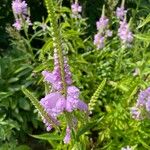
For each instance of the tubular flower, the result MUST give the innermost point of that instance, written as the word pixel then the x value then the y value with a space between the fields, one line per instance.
pixel 102 23
pixel 19 7
pixel 124 33
pixel 56 103
pixel 76 8
pixel 17 24
pixel 142 108
pixel 68 135
pixel 21 14
pixel 120 13
pixel 102 31
pixel 99 41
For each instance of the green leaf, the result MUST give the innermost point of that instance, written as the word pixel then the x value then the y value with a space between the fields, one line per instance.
pixel 143 37
pixel 87 127
pixel 23 103
pixel 48 136
pixel 5 95
pixel 145 21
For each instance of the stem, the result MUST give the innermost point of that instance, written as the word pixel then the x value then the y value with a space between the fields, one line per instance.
pixel 103 11
pixel 122 4
pixel 57 41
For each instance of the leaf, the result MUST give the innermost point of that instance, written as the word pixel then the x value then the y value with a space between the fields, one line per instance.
pixel 23 103
pixel 87 127
pixel 145 21
pixel 48 136
pixel 144 144
pixel 143 37
pixel 5 95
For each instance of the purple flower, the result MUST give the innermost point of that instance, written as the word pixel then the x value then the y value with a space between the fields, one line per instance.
pixel 82 106
pixel 76 8
pixel 120 13
pixel 56 103
pixel 73 91
pixel 20 11
pixel 108 33
pixel 19 7
pixel 99 41
pixel 124 33
pixel 142 107
pixel 102 23
pixel 18 24
pixel 148 105
pixel 68 135
pixel 136 113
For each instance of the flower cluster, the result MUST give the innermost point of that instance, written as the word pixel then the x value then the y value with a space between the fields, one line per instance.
pixel 121 13
pixel 76 9
pixel 127 148
pixel 103 32
pixel 142 107
pixel 124 32
pixel 55 103
pixel 21 14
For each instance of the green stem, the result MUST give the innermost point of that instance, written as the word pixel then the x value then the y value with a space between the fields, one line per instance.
pixel 57 41
pixel 122 4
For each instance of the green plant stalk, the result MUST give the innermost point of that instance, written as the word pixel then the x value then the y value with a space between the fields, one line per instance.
pixel 95 96
pixel 57 41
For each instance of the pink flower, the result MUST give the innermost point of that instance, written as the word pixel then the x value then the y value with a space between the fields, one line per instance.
pixel 99 41
pixel 120 13
pixel 76 8
pixel 102 23
pixel 124 33
pixel 68 136
pixel 18 24
pixel 19 7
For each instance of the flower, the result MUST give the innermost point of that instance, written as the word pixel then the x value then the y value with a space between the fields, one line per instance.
pixel 142 107
pixel 109 33
pixel 120 13
pixel 102 23
pixel 17 24
pixel 124 33
pixel 19 8
pixel 99 41
pixel 56 102
pixel 76 8
pixel 136 113
pixel 22 17
pixel 103 31
pixel 68 136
